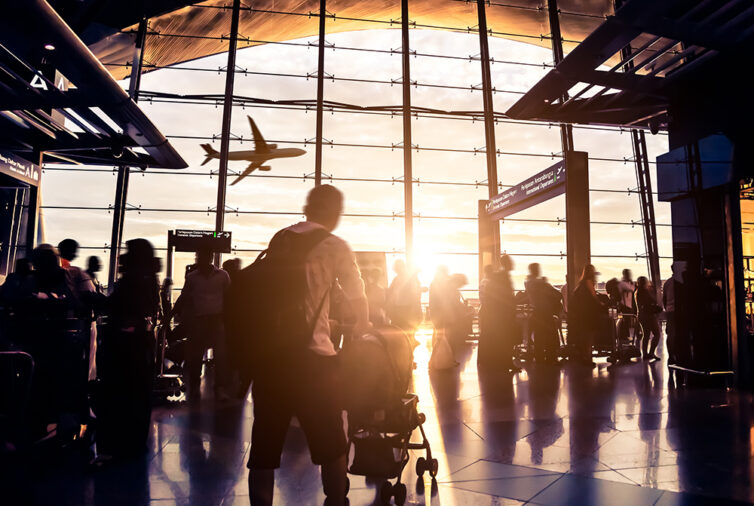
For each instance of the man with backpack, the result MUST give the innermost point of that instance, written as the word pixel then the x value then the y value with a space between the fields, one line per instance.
pixel 294 366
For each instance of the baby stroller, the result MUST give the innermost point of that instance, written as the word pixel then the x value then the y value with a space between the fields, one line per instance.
pixel 382 415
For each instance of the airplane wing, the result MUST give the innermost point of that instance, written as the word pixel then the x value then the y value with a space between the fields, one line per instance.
pixel 248 170
pixel 259 143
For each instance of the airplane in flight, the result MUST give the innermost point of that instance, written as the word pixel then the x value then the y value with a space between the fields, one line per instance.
pixel 262 152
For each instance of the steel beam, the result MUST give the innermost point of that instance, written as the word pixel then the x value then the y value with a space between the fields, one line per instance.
pixel 489 120
pixel 489 111
pixel 124 172
pixel 566 131
pixel 644 180
pixel 408 172
pixel 222 180
pixel 320 92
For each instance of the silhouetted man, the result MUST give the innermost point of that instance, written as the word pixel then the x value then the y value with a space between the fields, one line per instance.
pixel 204 297
pixel 307 387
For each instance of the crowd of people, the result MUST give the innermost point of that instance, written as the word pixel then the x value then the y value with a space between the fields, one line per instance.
pixel 276 325
pixel 504 326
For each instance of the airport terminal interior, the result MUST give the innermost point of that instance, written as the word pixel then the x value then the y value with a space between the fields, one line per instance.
pixel 547 295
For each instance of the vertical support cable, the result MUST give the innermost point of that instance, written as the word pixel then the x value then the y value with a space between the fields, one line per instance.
pixel 489 119
pixel 230 72
pixel 320 92
pixel 566 131
pixel 408 172
pixel 124 172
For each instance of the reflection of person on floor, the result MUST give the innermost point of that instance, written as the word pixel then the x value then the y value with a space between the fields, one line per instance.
pixel 305 385
pixel 646 302
pixel 204 294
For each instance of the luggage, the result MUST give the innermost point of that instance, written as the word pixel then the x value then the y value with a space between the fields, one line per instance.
pixel 267 303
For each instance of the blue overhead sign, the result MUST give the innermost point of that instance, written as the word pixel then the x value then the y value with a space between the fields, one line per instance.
pixel 19 168
pixel 543 186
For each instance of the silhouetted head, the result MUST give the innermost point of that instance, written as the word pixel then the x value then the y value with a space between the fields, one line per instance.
pixel 68 249
pixel 45 259
pixel 642 282
pixel 139 259
pixel 458 280
pixel 324 205
pixel 589 273
pixel 204 257
pixel 93 264
pixel 627 274
pixel 373 275
pixel 22 266
pixel 232 265
pixel 399 267
pixel 506 262
pixel 488 271
pixel 441 272
pixel 534 270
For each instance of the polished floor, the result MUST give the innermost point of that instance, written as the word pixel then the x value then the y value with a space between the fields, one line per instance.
pixel 547 436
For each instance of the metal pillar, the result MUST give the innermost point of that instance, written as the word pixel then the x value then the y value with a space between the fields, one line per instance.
pixel 230 73
pixel 489 112
pixel 489 117
pixel 408 172
pixel 320 92
pixel 644 179
pixel 121 185
pixel 566 131
pixel 644 183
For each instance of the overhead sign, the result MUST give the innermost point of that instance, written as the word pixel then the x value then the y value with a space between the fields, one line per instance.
pixel 19 168
pixel 195 240
pixel 543 186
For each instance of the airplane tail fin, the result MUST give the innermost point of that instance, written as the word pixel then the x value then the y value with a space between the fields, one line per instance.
pixel 210 153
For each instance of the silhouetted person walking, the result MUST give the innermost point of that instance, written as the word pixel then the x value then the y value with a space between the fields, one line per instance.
pixel 305 381
pixel 204 294
pixel 93 267
pixel 646 302
pixel 125 358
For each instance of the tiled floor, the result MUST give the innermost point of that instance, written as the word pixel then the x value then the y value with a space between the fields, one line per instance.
pixel 547 436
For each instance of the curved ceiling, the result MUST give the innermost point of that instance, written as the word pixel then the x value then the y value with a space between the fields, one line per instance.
pixel 107 25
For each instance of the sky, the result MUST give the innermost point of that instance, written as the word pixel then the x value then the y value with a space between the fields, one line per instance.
pixel 187 196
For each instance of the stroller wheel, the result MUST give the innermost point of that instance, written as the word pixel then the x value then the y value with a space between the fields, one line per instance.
pixel 421 466
pixel 433 467
pixel 386 492
pixel 400 493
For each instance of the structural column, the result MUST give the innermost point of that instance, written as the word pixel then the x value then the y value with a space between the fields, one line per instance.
pixel 408 172
pixel 320 92
pixel 489 119
pixel 566 131
pixel 124 172
pixel 230 74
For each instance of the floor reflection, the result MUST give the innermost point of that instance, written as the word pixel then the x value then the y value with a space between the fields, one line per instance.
pixel 548 435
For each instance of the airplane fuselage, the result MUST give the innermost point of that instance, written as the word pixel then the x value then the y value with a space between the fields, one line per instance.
pixel 255 156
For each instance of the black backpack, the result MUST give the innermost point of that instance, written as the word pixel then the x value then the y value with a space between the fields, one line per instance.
pixel 267 310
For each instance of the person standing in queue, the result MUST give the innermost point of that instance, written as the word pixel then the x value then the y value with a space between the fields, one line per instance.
pixel 544 321
pixel 646 302
pixel 204 294
pixel 404 308
pixel 584 316
pixel 305 381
